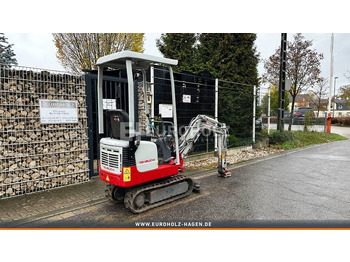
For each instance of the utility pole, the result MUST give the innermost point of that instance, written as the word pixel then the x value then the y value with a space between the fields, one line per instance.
pixel 254 114
pixel 268 110
pixel 216 111
pixel 331 76
pixel 282 83
pixel 335 80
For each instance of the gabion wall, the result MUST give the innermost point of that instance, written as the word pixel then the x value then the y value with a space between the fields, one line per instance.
pixel 36 156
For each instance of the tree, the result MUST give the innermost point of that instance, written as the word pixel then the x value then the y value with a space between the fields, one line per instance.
pixel 181 47
pixel 273 101
pixel 345 94
pixel 303 67
pixel 7 56
pixel 345 90
pixel 318 96
pixel 208 50
pixel 232 57
pixel 81 51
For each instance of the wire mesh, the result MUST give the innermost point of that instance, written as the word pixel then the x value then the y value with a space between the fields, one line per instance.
pixel 195 94
pixel 35 156
pixel 236 110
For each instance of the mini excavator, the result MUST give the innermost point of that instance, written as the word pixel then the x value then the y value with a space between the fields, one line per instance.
pixel 142 169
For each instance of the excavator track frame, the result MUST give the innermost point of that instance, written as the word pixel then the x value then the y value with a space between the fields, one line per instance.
pixel 136 193
pixel 115 194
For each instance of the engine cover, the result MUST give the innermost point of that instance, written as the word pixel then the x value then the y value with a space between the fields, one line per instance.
pixel 146 156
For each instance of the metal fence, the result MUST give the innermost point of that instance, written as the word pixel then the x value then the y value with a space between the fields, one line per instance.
pixel 237 108
pixel 195 94
pixel 36 156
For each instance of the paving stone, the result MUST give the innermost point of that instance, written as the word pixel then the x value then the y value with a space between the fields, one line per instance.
pixel 67 215
pixel 48 202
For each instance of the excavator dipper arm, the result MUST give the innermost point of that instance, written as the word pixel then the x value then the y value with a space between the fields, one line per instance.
pixel 192 133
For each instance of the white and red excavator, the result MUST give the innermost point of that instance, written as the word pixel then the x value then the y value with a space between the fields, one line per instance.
pixel 143 169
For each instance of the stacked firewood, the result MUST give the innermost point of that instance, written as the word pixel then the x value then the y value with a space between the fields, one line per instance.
pixel 142 121
pixel 35 156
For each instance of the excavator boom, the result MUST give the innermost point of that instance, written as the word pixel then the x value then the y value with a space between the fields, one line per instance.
pixel 194 130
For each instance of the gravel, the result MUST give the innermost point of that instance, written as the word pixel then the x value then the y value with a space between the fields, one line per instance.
pixel 244 155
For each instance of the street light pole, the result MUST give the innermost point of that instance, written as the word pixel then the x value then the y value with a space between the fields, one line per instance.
pixel 335 80
pixel 331 77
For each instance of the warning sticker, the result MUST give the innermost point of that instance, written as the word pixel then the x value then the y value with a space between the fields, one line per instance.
pixel 126 174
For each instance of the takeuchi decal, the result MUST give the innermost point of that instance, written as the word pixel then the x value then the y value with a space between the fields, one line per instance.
pixel 108 168
pixel 147 161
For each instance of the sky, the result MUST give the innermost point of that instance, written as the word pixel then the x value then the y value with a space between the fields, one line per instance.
pixel 38 50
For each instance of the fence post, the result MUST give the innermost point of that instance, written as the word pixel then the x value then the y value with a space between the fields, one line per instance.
pixel 100 100
pixel 152 93
pixel 254 105
pixel 216 110
pixel 268 110
pixel 89 105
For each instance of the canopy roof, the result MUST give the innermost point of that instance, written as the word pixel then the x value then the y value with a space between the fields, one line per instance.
pixel 140 60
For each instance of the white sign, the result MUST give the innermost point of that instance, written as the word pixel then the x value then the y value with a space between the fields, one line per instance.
pixel 109 104
pixel 58 111
pixel 166 110
pixel 186 98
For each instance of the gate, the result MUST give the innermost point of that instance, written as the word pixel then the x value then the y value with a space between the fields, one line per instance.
pixel 114 95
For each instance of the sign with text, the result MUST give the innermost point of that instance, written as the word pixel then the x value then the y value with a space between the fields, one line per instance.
pixel 58 111
pixel 109 104
pixel 166 110
pixel 186 98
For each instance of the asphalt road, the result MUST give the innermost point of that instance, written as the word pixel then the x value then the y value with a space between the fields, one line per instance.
pixel 302 188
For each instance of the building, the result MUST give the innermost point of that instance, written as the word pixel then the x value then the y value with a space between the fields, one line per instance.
pixel 341 108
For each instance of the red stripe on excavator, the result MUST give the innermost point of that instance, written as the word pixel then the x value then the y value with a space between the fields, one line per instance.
pixel 137 178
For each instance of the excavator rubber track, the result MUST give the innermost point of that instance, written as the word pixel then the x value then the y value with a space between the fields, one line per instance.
pixel 115 194
pixel 148 196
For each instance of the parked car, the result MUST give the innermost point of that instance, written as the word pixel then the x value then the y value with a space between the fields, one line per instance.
pixel 299 115
pixel 286 117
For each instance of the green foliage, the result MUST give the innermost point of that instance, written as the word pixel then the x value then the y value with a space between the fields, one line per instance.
pixel 345 93
pixel 308 120
pixel 281 137
pixel 274 102
pixel 264 132
pixel 181 47
pixel 233 141
pixel 296 139
pixel 7 56
pixel 231 57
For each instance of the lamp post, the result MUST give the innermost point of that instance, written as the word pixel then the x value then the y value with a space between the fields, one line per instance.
pixel 335 79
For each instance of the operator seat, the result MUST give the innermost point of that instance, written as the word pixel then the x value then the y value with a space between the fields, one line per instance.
pixel 118 123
